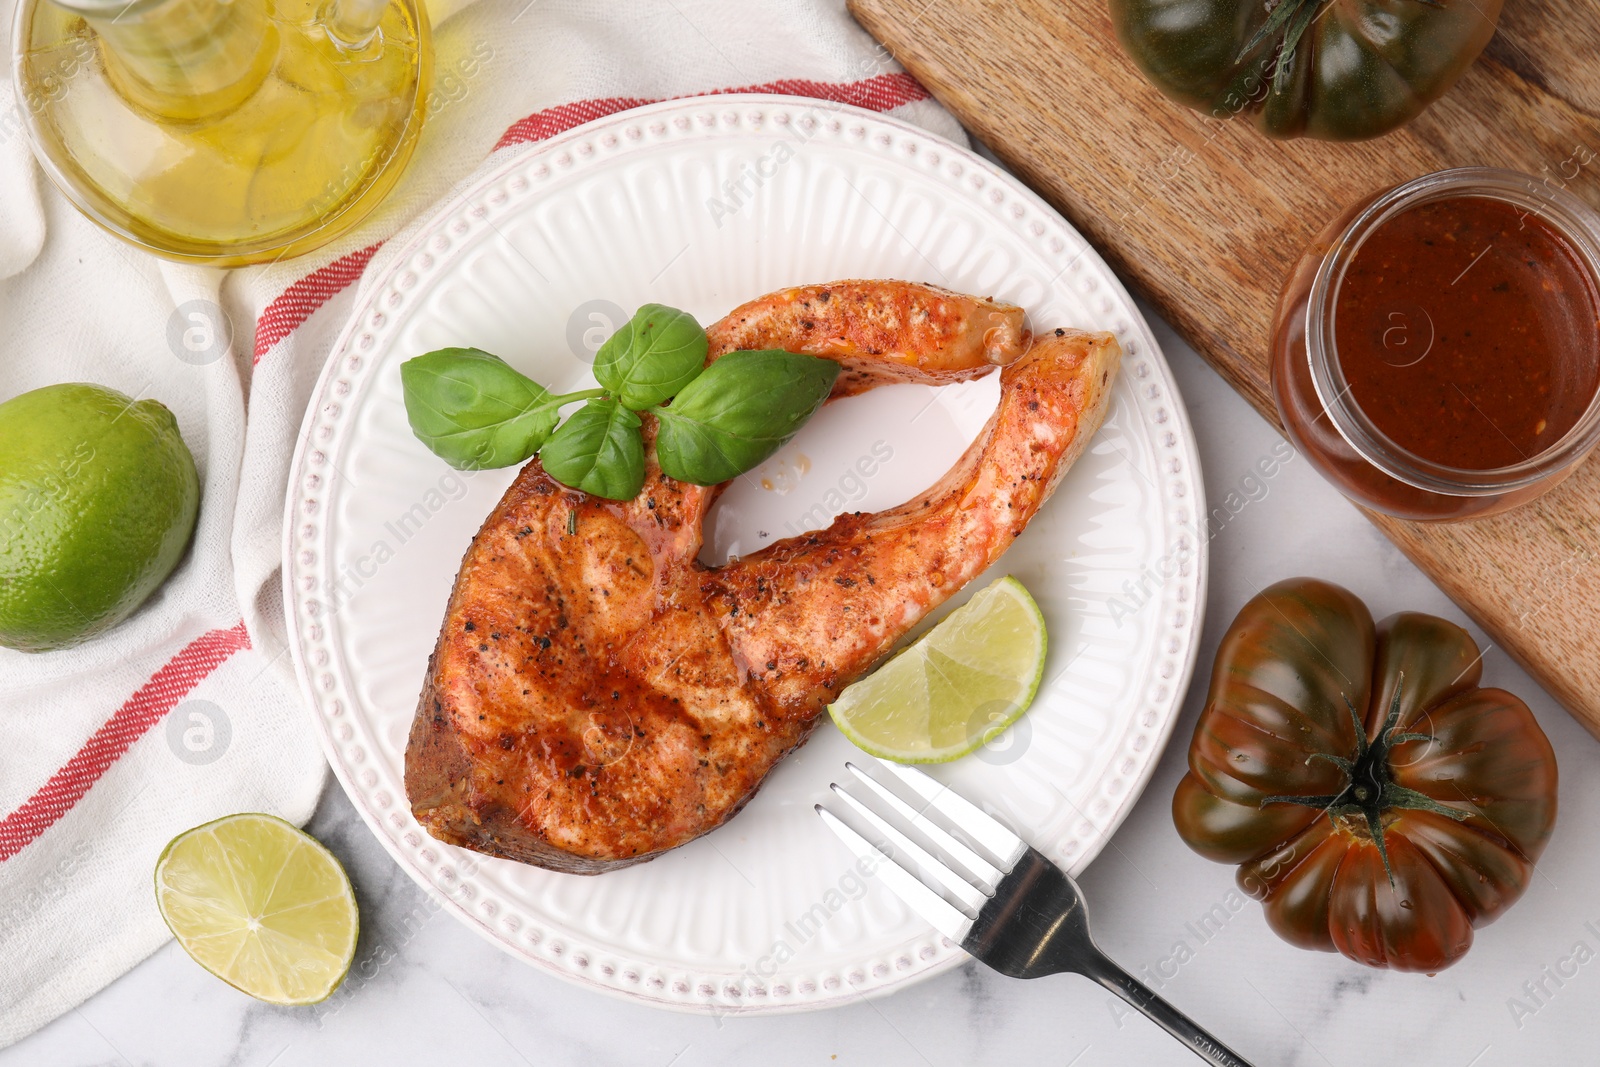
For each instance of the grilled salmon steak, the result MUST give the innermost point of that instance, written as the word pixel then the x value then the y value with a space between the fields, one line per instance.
pixel 598 696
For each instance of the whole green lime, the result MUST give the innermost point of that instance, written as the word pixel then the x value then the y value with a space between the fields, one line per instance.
pixel 98 497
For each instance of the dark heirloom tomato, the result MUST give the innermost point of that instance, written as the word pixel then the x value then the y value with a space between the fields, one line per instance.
pixel 1352 69
pixel 1389 838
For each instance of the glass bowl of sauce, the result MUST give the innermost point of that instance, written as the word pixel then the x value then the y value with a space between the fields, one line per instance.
pixel 1436 352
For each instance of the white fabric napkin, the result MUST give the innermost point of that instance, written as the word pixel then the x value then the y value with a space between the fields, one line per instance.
pixel 190 710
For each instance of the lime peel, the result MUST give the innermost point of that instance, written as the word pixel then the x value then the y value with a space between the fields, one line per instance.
pixel 98 501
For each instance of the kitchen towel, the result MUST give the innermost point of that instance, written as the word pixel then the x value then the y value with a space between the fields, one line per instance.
pixel 190 709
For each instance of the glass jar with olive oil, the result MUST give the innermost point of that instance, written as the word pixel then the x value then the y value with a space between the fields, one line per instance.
pixel 223 131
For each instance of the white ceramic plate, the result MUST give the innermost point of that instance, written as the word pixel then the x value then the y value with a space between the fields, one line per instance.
pixel 703 204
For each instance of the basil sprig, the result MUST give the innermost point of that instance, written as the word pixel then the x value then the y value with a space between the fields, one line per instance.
pixel 474 412
pixel 715 423
pixel 657 353
pixel 745 407
pixel 598 450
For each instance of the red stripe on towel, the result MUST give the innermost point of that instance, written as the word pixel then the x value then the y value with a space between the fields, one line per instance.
pixel 143 710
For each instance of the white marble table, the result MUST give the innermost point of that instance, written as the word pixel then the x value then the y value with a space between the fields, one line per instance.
pixel 426 990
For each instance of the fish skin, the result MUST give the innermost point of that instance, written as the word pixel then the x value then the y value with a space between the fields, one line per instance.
pixel 879 332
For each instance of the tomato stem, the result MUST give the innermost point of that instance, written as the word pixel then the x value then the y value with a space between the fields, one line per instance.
pixel 1292 18
pixel 1370 788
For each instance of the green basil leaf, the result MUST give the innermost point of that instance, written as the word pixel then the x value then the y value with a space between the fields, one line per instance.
pixel 473 410
pixel 657 353
pixel 598 450
pixel 741 410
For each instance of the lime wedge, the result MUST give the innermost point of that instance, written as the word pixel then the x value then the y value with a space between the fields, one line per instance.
pixel 261 905
pixel 957 687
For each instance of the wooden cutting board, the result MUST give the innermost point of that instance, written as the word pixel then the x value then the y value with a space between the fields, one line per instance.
pixel 1207 216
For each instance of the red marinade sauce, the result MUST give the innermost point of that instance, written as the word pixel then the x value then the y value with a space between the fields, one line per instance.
pixel 1468 331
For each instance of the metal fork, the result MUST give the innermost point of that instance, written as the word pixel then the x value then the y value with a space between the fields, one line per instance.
pixel 992 894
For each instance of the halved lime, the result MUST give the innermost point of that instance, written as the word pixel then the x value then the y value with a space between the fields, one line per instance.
pixel 957 687
pixel 261 905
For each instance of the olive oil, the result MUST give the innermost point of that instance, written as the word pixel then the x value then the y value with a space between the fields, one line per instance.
pixel 224 131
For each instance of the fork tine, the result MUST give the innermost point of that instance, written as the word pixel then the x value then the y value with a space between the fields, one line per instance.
pixel 934 872
pixel 985 875
pixel 1003 846
pixel 940 913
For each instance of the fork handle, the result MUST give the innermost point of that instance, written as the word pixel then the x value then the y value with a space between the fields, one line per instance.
pixel 1170 1019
